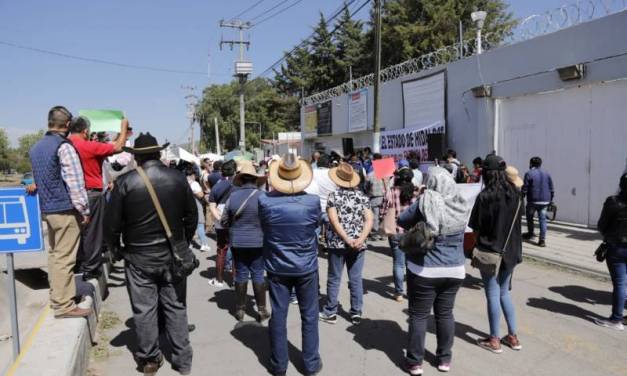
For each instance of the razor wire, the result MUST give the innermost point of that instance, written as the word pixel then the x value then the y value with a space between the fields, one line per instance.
pixel 527 28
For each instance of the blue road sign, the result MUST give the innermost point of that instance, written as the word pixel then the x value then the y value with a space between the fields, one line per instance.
pixel 20 221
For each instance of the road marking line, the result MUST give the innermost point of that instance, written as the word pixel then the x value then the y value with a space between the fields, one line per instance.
pixel 29 341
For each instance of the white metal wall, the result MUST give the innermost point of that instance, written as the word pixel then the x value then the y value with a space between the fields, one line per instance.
pixel 580 133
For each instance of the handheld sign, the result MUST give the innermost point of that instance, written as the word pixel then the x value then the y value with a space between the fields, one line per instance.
pixel 20 221
pixel 384 168
pixel 103 120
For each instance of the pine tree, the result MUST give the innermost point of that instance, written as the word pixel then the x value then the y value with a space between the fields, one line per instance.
pixel 294 76
pixel 348 38
pixel 324 60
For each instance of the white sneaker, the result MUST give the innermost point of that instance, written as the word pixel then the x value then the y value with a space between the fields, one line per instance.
pixel 610 324
pixel 215 283
pixel 86 302
pixel 205 248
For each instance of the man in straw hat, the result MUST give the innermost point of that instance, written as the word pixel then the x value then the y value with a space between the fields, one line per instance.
pixel 289 219
pixel 147 254
pixel 241 218
pixel 351 221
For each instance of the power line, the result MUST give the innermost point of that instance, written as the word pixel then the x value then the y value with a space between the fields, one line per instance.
pixel 277 13
pixel 247 9
pixel 269 10
pixel 100 61
pixel 301 44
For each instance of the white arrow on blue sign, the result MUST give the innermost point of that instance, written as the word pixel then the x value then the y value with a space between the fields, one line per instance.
pixel 20 221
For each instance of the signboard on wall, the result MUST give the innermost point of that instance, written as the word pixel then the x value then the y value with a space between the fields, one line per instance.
pixel 402 141
pixel 310 114
pixel 358 110
pixel 324 118
pixel 424 101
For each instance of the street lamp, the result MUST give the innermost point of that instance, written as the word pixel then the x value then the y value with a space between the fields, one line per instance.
pixel 478 17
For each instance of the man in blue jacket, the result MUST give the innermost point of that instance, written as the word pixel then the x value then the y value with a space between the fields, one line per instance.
pixel 289 218
pixel 538 189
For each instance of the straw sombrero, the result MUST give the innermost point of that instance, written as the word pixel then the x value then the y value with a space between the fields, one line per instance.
pixel 249 170
pixel 290 174
pixel 344 176
pixel 513 177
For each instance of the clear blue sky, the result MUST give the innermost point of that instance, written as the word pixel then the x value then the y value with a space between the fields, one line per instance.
pixel 179 35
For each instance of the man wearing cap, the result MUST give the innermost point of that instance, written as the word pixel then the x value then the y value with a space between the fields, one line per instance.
pixel 351 221
pixel 289 218
pixel 93 154
pixel 152 289
pixel 59 181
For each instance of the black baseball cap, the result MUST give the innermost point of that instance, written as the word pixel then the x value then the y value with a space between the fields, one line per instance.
pixel 494 163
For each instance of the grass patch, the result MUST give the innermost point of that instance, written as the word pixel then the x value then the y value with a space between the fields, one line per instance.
pixel 101 351
pixel 108 320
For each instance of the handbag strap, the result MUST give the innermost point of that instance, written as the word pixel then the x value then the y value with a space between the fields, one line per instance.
pixel 241 208
pixel 155 201
pixel 512 227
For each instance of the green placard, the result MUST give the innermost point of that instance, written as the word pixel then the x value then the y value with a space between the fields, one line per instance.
pixel 103 120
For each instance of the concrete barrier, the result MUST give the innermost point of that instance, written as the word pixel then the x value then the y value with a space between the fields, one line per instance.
pixel 59 347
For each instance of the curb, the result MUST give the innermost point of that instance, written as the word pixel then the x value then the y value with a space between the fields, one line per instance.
pixel 590 273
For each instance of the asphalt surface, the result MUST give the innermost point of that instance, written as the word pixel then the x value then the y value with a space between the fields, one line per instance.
pixel 555 312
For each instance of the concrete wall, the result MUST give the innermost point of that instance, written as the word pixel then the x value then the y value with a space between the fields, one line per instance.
pixel 520 69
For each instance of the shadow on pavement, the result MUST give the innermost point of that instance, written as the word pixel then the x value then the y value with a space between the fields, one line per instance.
pixel 34 279
pixel 225 300
pixel 583 294
pixel 473 283
pixel 383 249
pixel 563 309
pixel 383 335
pixel 379 286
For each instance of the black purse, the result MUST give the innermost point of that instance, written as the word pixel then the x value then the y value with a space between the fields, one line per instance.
pixel 601 253
pixel 184 262
pixel 418 240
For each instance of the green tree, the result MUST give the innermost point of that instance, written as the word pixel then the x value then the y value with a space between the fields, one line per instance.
pixel 24 144
pixel 324 58
pixel 349 40
pixel 294 76
pixel 5 151
pixel 265 107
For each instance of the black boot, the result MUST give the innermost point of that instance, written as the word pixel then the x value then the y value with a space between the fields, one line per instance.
pixel 240 300
pixel 260 297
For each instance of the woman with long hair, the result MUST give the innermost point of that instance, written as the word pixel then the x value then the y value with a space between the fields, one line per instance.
pixel 495 219
pixel 399 198
pixel 435 275
pixel 613 226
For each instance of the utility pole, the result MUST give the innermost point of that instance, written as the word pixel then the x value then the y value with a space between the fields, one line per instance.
pixel 215 124
pixel 243 68
pixel 192 100
pixel 376 134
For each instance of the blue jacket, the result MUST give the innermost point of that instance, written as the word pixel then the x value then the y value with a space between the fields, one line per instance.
pixel 448 250
pixel 538 186
pixel 289 222
pixel 54 196
pixel 245 230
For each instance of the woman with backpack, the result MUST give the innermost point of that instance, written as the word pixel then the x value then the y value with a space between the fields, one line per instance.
pixel 241 218
pixel 495 219
pixel 433 241
pixel 613 226
pixel 397 199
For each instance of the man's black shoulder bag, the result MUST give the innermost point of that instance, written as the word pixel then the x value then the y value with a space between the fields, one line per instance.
pixel 183 259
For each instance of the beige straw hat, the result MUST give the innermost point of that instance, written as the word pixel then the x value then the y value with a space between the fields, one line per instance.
pixel 344 176
pixel 249 170
pixel 290 174
pixel 512 176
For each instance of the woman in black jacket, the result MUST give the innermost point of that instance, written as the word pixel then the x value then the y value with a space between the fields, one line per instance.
pixel 613 227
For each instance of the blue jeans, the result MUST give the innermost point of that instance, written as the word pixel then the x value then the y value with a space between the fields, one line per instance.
pixel 248 264
pixel 354 265
pixel 617 265
pixel 400 264
pixel 531 210
pixel 307 292
pixel 229 259
pixel 202 237
pixel 498 296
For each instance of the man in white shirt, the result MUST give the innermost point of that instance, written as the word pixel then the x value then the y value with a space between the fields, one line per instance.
pixel 322 185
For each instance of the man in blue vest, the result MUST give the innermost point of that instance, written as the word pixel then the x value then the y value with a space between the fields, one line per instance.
pixel 63 199
pixel 289 218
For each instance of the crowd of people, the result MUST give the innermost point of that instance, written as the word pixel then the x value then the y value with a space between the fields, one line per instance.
pixel 270 222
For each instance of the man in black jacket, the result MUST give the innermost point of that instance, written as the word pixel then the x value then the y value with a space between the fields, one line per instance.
pixel 152 289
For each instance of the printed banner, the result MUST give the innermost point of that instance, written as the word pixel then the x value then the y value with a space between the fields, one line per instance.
pixel 358 111
pixel 399 142
pixel 311 121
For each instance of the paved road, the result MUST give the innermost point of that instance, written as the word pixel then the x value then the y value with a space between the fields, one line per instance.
pixel 555 310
